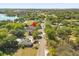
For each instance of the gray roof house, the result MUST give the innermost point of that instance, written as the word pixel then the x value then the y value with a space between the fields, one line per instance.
pixel 25 42
pixel 30 29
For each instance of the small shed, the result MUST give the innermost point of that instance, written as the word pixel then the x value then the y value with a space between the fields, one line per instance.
pixel 34 23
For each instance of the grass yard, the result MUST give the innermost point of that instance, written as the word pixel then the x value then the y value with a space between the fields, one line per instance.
pixel 26 52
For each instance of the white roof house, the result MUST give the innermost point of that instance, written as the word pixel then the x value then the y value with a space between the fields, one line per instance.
pixel 25 42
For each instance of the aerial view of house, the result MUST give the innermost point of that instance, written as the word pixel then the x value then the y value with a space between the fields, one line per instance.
pixel 39 32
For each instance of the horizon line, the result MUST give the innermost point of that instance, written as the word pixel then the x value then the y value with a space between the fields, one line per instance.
pixel 40 5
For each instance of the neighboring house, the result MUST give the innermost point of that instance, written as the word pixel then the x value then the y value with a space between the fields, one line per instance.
pixel 25 42
pixel 30 29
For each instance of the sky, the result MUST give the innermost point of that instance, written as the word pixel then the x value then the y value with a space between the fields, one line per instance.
pixel 39 5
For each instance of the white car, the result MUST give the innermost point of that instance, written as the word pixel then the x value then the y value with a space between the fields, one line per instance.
pixel 39 42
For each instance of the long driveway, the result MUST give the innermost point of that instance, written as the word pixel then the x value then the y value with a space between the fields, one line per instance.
pixel 42 44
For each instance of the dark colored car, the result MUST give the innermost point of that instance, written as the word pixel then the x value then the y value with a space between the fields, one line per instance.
pixel 39 37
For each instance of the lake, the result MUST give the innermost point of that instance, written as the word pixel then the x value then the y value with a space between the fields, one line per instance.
pixel 5 17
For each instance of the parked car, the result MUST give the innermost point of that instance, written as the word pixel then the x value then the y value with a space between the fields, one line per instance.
pixel 39 37
pixel 40 33
pixel 35 42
